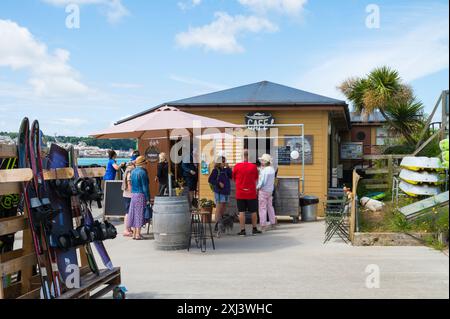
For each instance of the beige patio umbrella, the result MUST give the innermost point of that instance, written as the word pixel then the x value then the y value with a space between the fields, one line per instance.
pixel 164 120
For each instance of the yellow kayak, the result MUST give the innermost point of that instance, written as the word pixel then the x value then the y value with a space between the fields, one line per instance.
pixel 421 163
pixel 419 190
pixel 420 177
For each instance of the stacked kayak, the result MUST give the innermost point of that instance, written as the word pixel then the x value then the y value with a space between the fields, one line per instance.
pixel 420 176
pixel 419 190
pixel 445 155
pixel 422 163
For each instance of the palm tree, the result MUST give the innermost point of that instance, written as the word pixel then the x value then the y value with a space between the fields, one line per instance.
pixel 407 117
pixel 381 90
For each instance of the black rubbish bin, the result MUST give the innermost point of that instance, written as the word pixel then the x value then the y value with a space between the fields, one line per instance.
pixel 308 206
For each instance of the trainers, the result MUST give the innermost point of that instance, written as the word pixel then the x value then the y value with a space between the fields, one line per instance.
pixel 256 231
pixel 241 233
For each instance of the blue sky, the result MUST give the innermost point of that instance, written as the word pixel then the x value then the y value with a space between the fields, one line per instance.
pixel 129 55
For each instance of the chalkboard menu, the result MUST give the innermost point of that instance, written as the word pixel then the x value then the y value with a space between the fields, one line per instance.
pixel 113 203
pixel 284 155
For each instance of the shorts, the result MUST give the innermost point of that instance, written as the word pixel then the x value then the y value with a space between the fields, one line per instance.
pixel 221 198
pixel 247 205
pixel 127 202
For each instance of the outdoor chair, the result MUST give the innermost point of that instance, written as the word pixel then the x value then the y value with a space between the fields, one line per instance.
pixel 337 213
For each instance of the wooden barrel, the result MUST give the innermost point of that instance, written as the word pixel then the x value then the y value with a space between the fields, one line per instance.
pixel 171 222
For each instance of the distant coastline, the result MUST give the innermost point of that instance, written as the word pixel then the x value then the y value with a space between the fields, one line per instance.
pixel 101 161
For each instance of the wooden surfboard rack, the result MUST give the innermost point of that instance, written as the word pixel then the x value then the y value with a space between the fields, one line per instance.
pixel 18 265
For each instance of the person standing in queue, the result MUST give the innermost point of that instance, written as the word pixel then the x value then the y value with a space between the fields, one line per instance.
pixel 265 189
pixel 245 175
pixel 111 167
pixel 162 174
pixel 190 175
pixel 220 184
pixel 140 197
pixel 126 188
pixel 135 155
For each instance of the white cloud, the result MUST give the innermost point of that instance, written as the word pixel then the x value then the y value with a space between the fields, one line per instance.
pixel 415 54
pixel 290 7
pixel 221 34
pixel 50 73
pixel 115 10
pixel 188 4
pixel 126 85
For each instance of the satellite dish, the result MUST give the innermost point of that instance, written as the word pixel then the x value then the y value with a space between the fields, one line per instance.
pixel 295 155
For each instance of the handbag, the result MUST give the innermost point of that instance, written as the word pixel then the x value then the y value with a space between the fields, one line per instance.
pixel 148 214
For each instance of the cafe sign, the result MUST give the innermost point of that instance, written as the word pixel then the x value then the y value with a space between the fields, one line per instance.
pixel 259 121
pixel 152 154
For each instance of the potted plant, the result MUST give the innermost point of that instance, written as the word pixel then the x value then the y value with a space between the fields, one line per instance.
pixel 207 205
pixel 179 187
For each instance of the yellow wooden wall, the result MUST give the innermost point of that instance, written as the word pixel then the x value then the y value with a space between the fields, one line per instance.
pixel 316 124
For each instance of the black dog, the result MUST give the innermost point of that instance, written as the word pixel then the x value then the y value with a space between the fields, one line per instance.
pixel 226 224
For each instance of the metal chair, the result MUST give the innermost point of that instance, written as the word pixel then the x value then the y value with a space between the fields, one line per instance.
pixel 336 219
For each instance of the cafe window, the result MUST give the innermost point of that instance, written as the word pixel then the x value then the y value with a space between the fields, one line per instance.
pixel 381 136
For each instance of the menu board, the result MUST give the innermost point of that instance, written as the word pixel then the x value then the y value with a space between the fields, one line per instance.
pixel 352 150
pixel 284 155
pixel 113 202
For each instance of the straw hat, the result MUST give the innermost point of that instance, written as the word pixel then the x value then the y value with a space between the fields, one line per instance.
pixel 140 161
pixel 266 158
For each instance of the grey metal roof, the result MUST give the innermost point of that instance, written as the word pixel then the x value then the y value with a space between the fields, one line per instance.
pixel 374 117
pixel 257 94
pixel 263 93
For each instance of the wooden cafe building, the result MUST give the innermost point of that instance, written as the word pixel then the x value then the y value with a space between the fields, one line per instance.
pixel 259 106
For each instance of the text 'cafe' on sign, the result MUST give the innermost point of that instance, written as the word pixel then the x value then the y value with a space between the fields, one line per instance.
pixel 259 121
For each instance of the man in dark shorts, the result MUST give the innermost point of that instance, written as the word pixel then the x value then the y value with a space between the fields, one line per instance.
pixel 245 175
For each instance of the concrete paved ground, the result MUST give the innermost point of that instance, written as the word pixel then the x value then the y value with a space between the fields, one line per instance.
pixel 290 262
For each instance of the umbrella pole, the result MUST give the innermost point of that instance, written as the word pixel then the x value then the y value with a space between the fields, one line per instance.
pixel 170 165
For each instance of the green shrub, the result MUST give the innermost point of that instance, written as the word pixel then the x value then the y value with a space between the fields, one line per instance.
pixel 400 149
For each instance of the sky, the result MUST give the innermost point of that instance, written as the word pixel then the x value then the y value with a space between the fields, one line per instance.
pixel 78 66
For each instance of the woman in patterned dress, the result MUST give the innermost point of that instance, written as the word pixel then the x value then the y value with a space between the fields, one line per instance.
pixel 140 197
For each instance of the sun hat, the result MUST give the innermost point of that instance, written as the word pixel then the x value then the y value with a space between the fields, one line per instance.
pixel 140 161
pixel 266 158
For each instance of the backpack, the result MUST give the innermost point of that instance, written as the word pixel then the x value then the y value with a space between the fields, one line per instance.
pixel 217 179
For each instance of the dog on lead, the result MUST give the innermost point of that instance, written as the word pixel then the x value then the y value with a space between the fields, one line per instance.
pixel 225 225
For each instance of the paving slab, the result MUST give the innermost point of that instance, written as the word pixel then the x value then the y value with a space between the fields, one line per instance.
pixel 289 262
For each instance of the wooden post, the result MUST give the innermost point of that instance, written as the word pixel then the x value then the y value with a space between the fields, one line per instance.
pixel 390 174
pixel 170 164
pixel 444 114
pixel 354 202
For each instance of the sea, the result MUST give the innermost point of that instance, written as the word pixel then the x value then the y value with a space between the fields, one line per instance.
pixel 88 161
